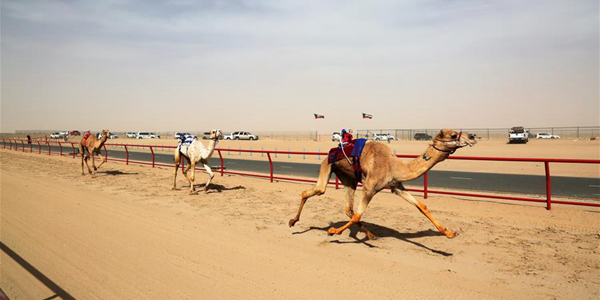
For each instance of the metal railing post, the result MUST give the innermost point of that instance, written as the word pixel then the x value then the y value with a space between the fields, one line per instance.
pixel 337 183
pixel 425 186
pixel 39 148
pixel 182 162
pixel 152 150
pixel 222 165
pixel 270 165
pixel 126 155
pixel 60 147
pixel 548 187
pixel 23 146
pixel 49 148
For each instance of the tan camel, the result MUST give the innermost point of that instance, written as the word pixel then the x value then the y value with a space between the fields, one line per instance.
pixel 382 169
pixel 195 153
pixel 93 146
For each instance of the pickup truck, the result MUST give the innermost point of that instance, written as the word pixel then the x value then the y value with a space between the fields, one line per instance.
pixel 241 135
pixel 518 134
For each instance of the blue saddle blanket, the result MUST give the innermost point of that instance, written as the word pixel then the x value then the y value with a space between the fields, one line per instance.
pixel 185 144
pixel 359 144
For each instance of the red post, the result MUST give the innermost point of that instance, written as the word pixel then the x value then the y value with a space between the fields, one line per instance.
pixel 30 147
pixel 337 183
pixel 39 148
pixel 73 147
pixel 60 146
pixel 182 163
pixel 23 144
pixel 270 165
pixel 152 150
pixel 49 148
pixel 548 192
pixel 126 155
pixel 425 186
pixel 222 165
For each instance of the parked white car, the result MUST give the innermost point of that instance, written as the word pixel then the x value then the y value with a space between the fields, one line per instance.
pixel 542 135
pixel 518 134
pixel 147 135
pixel 241 135
pixel 56 135
pixel 383 137
pixel 336 137
pixel 181 135
pixel 131 135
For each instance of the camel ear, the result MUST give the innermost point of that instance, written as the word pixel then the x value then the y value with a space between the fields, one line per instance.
pixel 441 134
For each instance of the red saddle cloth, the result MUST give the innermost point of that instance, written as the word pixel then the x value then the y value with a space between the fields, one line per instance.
pixel 336 153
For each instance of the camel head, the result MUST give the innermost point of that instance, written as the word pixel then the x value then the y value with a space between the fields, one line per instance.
pixel 216 134
pixel 105 132
pixel 449 140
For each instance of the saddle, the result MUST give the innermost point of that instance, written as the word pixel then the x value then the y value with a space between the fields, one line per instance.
pixel 184 144
pixel 87 135
pixel 353 150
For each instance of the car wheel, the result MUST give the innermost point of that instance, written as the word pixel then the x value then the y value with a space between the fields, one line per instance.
pixel 251 138
pixel 237 138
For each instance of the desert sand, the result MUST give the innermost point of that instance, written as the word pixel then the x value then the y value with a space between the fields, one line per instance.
pixel 124 234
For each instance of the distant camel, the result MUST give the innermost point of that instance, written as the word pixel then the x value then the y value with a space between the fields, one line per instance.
pixel 93 146
pixel 382 169
pixel 195 153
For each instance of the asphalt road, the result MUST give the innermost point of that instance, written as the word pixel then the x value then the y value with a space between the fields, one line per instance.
pixel 572 187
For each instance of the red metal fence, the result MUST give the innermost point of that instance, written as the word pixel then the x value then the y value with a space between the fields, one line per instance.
pixel 28 146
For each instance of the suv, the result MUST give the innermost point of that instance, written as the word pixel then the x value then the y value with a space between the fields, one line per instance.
pixel 518 134
pixel 546 136
pixel 75 133
pixel 147 135
pixel 383 137
pixel 241 135
pixel 336 137
pixel 181 135
pixel 131 135
pixel 422 137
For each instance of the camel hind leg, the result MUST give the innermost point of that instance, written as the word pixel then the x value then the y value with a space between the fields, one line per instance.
pixel 177 159
pixel 350 185
pixel 318 189
pixel 82 153
pixel 401 191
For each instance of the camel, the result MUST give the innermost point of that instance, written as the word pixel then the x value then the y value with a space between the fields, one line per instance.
pixel 93 147
pixel 193 154
pixel 382 169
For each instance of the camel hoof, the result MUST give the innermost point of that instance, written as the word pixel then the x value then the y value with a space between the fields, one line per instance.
pixel 173 188
pixel 332 231
pixel 193 192
pixel 450 234
pixel 292 222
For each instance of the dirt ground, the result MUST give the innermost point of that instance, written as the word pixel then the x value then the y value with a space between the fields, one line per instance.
pixel 126 235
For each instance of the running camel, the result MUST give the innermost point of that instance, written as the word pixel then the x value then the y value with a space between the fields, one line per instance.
pixel 382 169
pixel 194 152
pixel 93 146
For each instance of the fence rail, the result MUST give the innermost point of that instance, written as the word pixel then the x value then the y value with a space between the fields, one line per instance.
pixel 28 146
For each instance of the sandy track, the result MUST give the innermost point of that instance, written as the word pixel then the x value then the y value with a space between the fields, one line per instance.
pixel 125 234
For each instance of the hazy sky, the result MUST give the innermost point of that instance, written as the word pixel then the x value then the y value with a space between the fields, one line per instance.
pixel 269 65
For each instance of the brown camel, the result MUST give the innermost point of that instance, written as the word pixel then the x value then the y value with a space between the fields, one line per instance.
pixel 93 146
pixel 382 169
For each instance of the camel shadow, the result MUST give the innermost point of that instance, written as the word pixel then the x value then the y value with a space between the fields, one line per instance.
pixel 114 173
pixel 217 188
pixel 381 232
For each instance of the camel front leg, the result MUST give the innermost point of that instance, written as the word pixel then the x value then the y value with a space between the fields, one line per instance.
pixel 350 186
pixel 192 167
pixel 210 177
pixel 400 191
pixel 318 189
pixel 355 219
pixel 81 151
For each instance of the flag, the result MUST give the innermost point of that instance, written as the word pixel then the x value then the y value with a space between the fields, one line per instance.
pixel 367 116
pixel 317 116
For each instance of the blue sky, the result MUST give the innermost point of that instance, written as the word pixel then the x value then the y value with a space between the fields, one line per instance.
pixel 269 65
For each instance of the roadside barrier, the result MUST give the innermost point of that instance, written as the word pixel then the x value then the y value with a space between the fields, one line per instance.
pixel 25 146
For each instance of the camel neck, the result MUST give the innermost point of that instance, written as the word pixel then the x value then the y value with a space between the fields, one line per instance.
pixel 418 166
pixel 212 144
